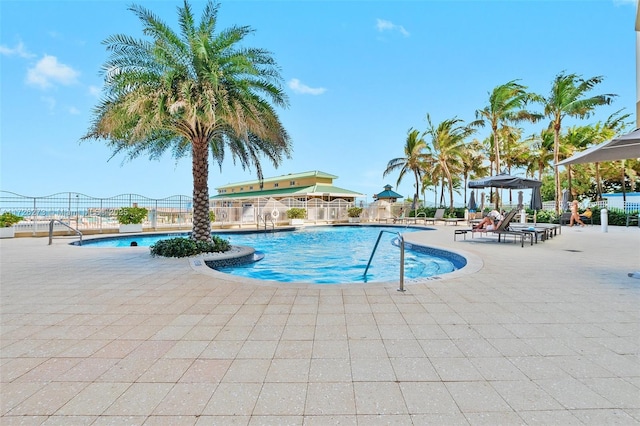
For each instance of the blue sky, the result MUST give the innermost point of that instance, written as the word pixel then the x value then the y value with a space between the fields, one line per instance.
pixel 358 74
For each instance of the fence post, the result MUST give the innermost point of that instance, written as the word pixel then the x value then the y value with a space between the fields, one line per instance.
pixel 35 218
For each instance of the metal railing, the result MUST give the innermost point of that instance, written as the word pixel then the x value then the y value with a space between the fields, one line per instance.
pixel 93 214
pixel 52 222
pixel 401 238
pixel 263 217
pixel 97 215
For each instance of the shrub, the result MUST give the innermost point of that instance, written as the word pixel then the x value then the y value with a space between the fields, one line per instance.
pixel 296 213
pixel 185 247
pixel 8 219
pixel 131 215
pixel 354 211
pixel 615 216
pixel 212 216
pixel 545 216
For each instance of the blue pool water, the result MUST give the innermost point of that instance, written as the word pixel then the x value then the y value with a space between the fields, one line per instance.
pixel 324 255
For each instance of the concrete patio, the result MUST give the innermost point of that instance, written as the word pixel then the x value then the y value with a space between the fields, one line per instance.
pixel 547 334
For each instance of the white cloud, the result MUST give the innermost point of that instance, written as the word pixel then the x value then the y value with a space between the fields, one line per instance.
pixel 18 50
pixel 49 71
pixel 303 89
pixel 94 91
pixel 74 111
pixel 384 25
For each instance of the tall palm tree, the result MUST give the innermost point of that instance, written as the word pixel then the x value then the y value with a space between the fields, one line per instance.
pixel 447 145
pixel 567 99
pixel 414 160
pixel 192 92
pixel 506 105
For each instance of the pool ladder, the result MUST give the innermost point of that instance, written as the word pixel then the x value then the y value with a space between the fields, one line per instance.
pixel 264 219
pixel 401 238
pixel 53 221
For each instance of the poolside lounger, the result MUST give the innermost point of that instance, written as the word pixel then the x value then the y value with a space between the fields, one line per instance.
pixel 503 230
pixel 438 215
pixel 454 220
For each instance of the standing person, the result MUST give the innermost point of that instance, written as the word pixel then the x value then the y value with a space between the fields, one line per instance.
pixel 574 214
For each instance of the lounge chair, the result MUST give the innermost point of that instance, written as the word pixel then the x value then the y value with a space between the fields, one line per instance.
pixel 454 220
pixel 503 229
pixel 542 231
pixel 396 219
pixel 439 215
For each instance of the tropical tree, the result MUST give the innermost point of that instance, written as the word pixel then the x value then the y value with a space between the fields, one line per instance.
pixel 540 153
pixel 567 99
pixel 472 162
pixel 506 105
pixel 194 92
pixel 446 148
pixel 577 138
pixel 413 162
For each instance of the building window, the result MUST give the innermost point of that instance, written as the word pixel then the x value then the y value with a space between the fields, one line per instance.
pixel 251 188
pixel 292 183
pixel 242 188
pixel 275 185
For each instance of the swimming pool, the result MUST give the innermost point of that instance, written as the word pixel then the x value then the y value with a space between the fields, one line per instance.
pixel 324 254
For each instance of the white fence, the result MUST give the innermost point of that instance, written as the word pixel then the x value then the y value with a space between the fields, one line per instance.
pixel 98 215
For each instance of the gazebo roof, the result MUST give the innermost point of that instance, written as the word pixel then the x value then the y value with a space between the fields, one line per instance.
pixel 387 193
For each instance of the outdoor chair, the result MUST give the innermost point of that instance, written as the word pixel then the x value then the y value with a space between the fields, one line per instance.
pixel 632 218
pixel 504 230
pixel 438 215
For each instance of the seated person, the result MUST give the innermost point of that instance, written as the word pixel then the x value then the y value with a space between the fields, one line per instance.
pixel 490 222
pixel 586 215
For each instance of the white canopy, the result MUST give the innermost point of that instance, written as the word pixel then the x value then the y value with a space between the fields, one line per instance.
pixel 618 148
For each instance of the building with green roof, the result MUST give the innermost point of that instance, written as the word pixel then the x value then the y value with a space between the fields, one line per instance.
pixel 271 197
pixel 307 185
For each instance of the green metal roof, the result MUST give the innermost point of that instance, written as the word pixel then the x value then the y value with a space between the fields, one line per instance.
pixel 388 194
pixel 318 189
pixel 291 176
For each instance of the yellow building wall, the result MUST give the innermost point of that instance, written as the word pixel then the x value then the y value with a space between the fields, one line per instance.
pixel 282 183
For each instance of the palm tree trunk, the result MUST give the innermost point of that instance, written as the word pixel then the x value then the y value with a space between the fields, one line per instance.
pixel 598 183
pixel 569 185
pixel 624 190
pixel 200 165
pixel 556 158
pixel 496 148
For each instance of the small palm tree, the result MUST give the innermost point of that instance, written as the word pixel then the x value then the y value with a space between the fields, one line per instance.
pixel 196 92
pixel 414 160
pixel 567 99
pixel 472 162
pixel 540 153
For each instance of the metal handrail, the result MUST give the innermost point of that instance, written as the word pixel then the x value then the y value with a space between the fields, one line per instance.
pixel 61 223
pixel 401 257
pixel 264 219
